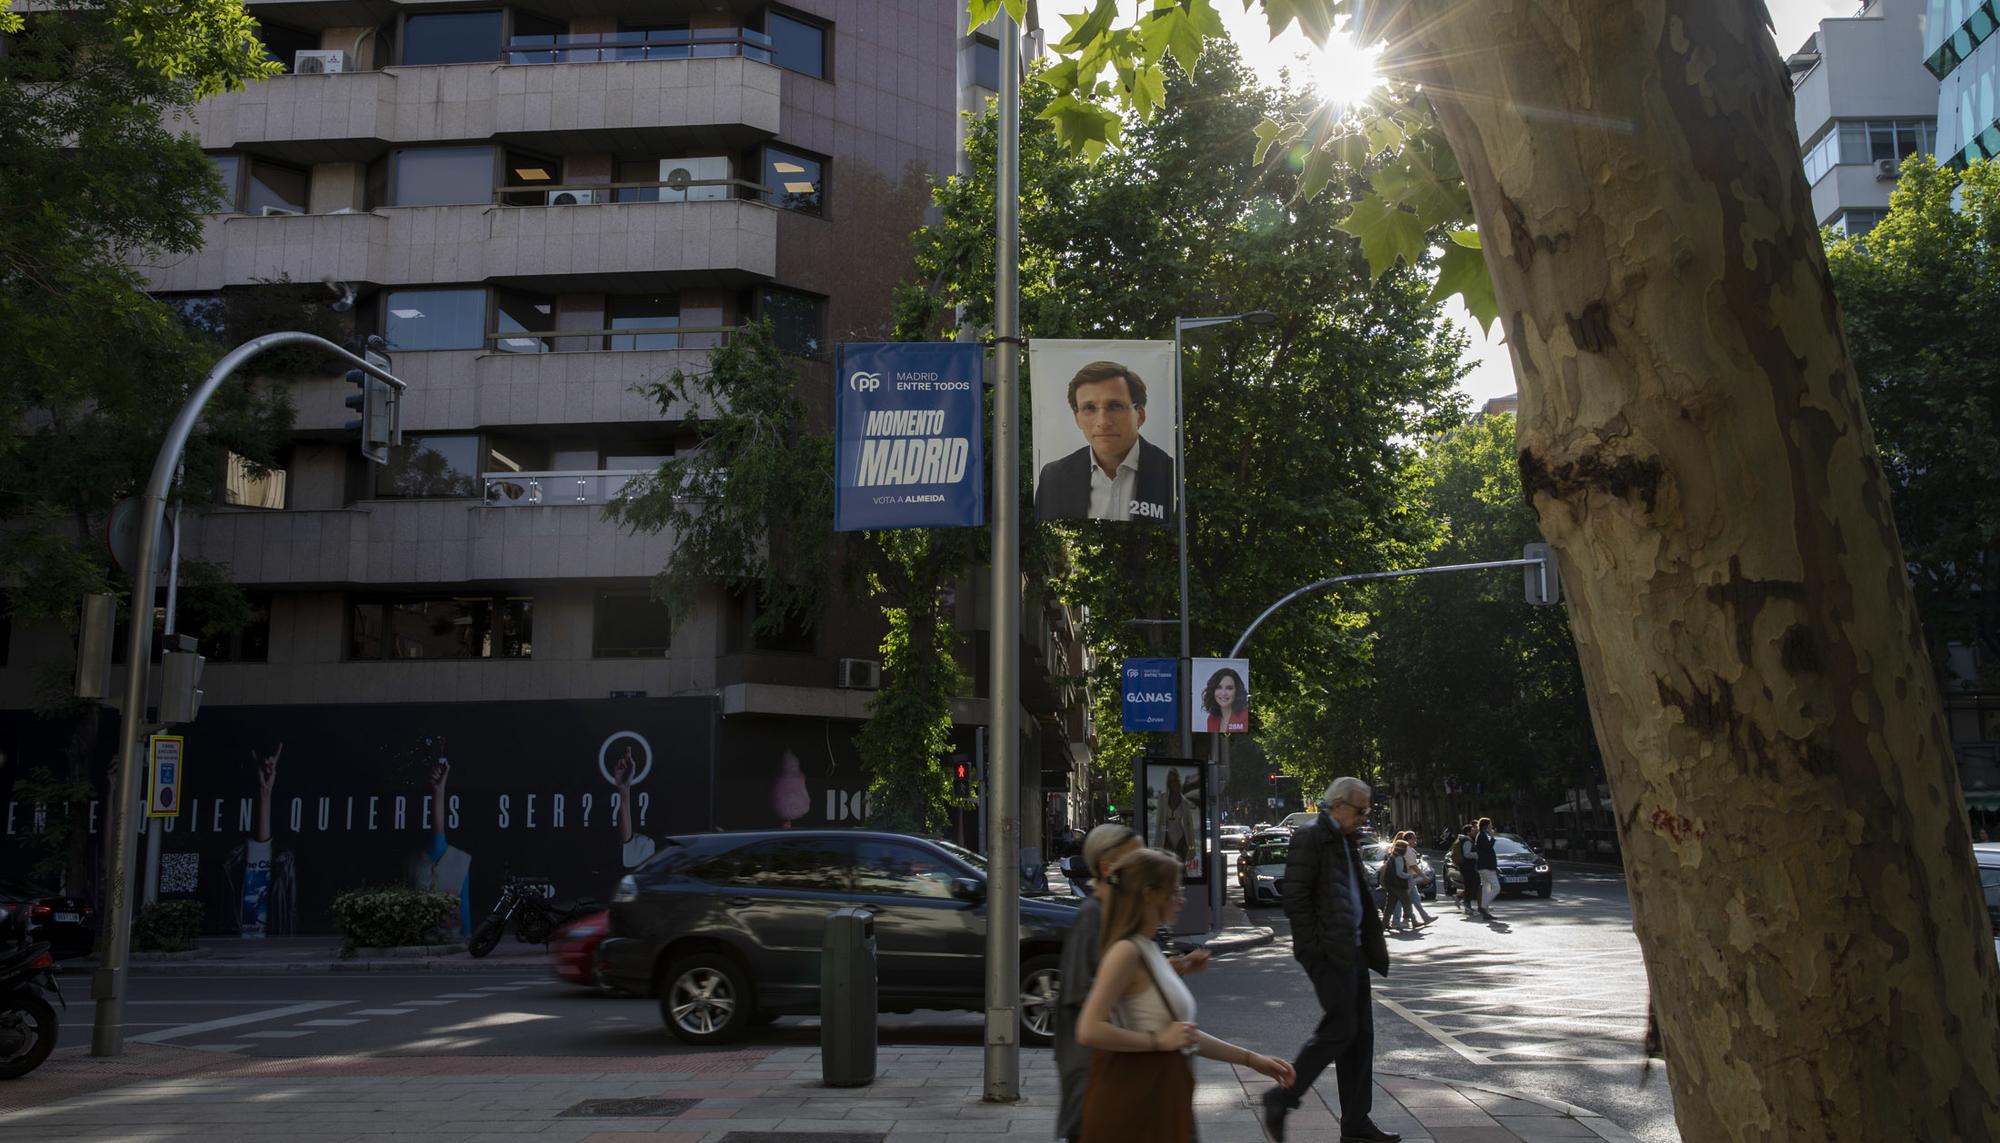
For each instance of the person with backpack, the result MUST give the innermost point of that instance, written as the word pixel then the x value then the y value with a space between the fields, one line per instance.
pixel 1466 857
pixel 1394 885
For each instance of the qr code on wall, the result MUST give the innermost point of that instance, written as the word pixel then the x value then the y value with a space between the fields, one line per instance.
pixel 180 872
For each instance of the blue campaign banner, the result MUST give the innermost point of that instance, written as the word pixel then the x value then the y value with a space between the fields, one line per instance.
pixel 1152 689
pixel 909 436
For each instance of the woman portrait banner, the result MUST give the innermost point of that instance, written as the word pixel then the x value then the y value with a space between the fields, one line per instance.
pixel 1221 696
pixel 1103 430
pixel 1174 821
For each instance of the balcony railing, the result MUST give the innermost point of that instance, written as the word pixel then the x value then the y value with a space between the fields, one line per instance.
pixel 657 44
pixel 624 339
pixel 556 489
pixel 656 190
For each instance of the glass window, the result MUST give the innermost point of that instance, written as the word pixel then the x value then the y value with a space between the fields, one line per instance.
pixel 635 462
pixel 284 44
pixel 518 313
pixel 274 189
pixel 817 864
pixel 432 465
pixel 447 627
pixel 201 313
pixel 246 489
pixel 229 168
pixel 250 643
pixel 439 176
pixel 516 454
pixel 1858 222
pixel 637 171
pixel 630 625
pixel 794 181
pixel 796 44
pixel 435 319
pixel 901 870
pixel 523 169
pixel 795 319
pixel 986 63
pixel 653 312
pixel 451 37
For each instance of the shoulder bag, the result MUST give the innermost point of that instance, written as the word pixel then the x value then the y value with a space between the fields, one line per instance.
pixel 1141 1096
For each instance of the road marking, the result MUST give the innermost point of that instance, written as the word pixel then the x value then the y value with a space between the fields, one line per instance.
pixel 461 996
pixel 382 1011
pixel 1432 1030
pixel 426 1003
pixel 222 1047
pixel 319 1024
pixel 236 1021
pixel 281 1034
pixel 501 988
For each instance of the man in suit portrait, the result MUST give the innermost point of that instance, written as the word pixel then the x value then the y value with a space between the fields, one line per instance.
pixel 1117 475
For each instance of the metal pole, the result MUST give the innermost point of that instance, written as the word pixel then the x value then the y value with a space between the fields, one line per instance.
pixel 1181 506
pixel 150 895
pixel 107 984
pixel 1329 582
pixel 1003 867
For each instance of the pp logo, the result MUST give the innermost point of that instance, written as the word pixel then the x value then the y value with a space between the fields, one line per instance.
pixel 864 382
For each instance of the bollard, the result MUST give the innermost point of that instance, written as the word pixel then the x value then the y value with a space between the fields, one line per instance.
pixel 847 999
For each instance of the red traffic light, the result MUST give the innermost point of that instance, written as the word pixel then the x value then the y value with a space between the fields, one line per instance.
pixel 960 775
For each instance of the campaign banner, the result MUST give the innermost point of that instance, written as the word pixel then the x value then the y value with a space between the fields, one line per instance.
pixel 1152 689
pixel 1222 690
pixel 1170 804
pixel 909 436
pixel 1104 419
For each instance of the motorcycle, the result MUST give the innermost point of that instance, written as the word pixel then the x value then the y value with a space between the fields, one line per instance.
pixel 526 901
pixel 27 1022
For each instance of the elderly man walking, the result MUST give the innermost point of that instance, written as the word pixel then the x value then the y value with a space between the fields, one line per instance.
pixel 1337 936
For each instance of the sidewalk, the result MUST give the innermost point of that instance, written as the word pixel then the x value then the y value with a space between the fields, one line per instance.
pixel 323 954
pixel 920 1095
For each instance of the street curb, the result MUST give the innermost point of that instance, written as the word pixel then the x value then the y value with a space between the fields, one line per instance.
pixel 537 967
pixel 1237 939
pixel 1556 1105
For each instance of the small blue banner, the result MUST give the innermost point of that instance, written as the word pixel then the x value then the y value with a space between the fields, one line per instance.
pixel 1152 691
pixel 909 436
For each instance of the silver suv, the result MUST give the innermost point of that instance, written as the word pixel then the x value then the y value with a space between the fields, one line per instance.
pixel 1987 855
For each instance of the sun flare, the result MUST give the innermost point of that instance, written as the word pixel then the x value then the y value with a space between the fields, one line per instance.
pixel 1344 71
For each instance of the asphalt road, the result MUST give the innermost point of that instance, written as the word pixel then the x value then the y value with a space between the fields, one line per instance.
pixel 1550 1001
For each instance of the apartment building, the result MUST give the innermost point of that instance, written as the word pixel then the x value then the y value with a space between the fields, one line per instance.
pixel 458 669
pixel 1863 103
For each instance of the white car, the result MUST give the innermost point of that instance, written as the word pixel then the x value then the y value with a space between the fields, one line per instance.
pixel 1264 873
pixel 1987 854
pixel 1299 820
pixel 1233 836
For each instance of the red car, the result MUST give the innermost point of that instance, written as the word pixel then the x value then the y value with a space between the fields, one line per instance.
pixel 575 949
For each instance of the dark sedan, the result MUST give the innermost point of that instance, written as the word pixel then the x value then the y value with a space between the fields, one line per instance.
pixel 66 924
pixel 726 928
pixel 1522 870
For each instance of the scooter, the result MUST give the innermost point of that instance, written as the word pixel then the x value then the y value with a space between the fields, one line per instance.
pixel 536 918
pixel 27 1021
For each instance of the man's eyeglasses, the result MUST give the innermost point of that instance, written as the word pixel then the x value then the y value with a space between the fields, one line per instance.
pixel 1362 810
pixel 1108 408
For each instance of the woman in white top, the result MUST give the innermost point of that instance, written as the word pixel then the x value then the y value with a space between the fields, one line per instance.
pixel 1139 1017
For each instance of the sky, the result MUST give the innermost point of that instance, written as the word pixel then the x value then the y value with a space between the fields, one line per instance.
pixel 1492 375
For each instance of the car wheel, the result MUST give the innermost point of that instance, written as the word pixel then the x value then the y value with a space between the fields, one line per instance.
pixel 705 999
pixel 1041 992
pixel 1544 892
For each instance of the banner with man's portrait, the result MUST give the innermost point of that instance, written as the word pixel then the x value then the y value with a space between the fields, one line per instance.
pixel 1104 419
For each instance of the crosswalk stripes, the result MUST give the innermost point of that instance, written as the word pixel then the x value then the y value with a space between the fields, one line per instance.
pixel 1490 1010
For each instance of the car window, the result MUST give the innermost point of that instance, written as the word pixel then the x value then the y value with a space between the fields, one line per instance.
pixel 963 854
pixel 818 864
pixel 901 870
pixel 1273 854
pixel 1502 845
pixel 1374 851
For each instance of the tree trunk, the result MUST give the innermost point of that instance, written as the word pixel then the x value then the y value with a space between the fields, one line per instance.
pixel 1693 443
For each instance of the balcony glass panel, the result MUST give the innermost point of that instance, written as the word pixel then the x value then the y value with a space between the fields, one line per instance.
pixel 451 38
pixel 273 189
pixel 442 176
pixel 435 319
pixel 640 44
pixel 652 313
pixel 431 466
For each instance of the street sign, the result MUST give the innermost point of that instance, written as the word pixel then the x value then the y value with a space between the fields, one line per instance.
pixel 1151 688
pixel 163 775
pixel 121 538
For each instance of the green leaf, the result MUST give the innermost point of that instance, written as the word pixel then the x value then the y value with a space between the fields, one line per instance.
pixel 1271 132
pixel 1171 30
pixel 1147 91
pixel 1062 76
pixel 980 11
pixel 1462 271
pixel 1087 29
pixel 1081 124
pixel 1468 238
pixel 1386 233
pixel 1317 171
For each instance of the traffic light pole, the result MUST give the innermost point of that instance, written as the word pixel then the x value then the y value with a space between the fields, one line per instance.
pixel 107 985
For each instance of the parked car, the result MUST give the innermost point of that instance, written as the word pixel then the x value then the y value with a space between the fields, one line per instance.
pixel 726 928
pixel 66 924
pixel 1262 876
pixel 1987 854
pixel 1374 852
pixel 1522 870
pixel 574 948
pixel 1233 836
pixel 1299 820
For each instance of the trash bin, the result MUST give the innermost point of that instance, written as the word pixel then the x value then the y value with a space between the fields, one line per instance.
pixel 847 999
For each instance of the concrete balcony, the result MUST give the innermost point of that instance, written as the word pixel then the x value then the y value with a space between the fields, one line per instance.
pixel 652 245
pixel 622 105
pixel 423 542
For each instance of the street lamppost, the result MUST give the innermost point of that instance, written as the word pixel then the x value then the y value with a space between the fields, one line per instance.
pixel 1181 326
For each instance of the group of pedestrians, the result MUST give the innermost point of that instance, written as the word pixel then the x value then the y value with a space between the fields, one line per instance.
pixel 1401 869
pixel 1126 1022
pixel 1472 851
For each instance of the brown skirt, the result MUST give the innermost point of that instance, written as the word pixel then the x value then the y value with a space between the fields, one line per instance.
pixel 1139 1096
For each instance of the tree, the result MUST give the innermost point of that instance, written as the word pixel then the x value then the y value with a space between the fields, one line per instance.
pixel 1914 294
pixel 1693 442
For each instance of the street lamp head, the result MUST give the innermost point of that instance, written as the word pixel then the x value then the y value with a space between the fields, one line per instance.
pixel 1260 317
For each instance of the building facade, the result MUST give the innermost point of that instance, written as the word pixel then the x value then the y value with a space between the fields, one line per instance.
pixel 541 209
pixel 1863 103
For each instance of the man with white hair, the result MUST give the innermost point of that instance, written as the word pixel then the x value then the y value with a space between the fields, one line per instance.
pixel 1337 936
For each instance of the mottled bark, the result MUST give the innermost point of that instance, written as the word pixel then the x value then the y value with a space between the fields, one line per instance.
pixel 1693 442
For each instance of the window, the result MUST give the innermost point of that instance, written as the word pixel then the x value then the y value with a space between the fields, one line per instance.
pixel 793 181
pixel 637 171
pixel 451 37
pixel 1853 141
pixel 201 313
pixel 525 169
pixel 796 44
pixel 634 462
pixel 273 189
pixel 442 627
pixel 650 312
pixel 792 634
pixel 245 488
pixel 518 313
pixel 430 466
pixel 894 869
pixel 796 319
pixel 815 864
pixel 440 176
pixel 1858 222
pixel 986 63
pixel 229 168
pixel 250 643
pixel 630 625
pixel 435 319
pixel 284 44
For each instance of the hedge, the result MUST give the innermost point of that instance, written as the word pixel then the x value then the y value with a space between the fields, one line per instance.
pixel 389 916
pixel 169 926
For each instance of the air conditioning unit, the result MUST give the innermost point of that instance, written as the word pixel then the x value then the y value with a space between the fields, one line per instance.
pixel 678 173
pixel 1888 170
pixel 270 211
pixel 320 63
pixel 861 674
pixel 572 197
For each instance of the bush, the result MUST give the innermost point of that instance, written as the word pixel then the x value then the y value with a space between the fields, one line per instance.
pixel 169 926
pixel 384 917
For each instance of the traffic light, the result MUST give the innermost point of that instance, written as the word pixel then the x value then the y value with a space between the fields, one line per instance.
pixel 1271 779
pixel 961 781
pixel 380 406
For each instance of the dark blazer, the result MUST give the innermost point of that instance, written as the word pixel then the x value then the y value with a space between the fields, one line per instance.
pixel 1317 874
pixel 1062 492
pixel 1484 844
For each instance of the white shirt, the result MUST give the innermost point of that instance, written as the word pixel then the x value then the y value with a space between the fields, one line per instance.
pixel 1111 496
